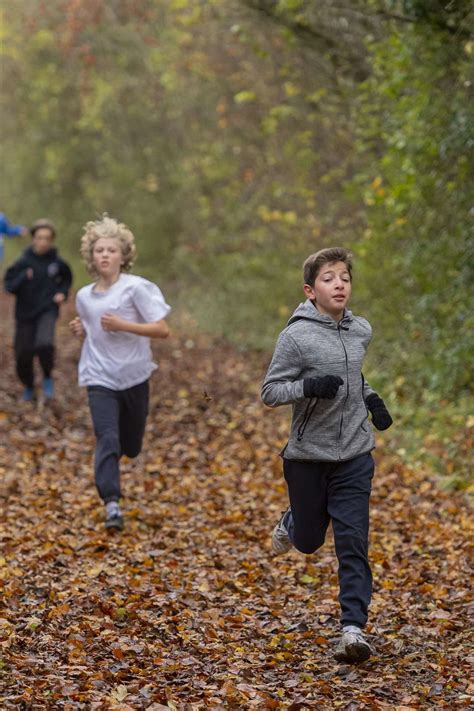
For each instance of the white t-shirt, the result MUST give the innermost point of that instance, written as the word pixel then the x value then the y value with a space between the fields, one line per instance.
pixel 116 359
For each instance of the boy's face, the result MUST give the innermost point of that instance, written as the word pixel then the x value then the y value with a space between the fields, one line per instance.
pixel 331 289
pixel 42 240
pixel 107 256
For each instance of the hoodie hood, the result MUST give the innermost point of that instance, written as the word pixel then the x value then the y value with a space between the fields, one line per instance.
pixel 50 255
pixel 307 310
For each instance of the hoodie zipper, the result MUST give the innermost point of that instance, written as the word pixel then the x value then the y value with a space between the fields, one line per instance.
pixel 347 381
pixel 306 418
pixel 310 409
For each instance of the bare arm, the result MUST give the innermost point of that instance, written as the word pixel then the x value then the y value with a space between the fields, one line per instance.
pixel 76 328
pixel 153 329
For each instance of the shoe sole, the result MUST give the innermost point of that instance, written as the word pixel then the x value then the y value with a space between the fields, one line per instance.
pixel 279 548
pixel 114 525
pixel 354 653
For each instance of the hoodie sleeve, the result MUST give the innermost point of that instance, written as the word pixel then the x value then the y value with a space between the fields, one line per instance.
pixel 283 383
pixel 367 390
pixel 66 279
pixel 15 276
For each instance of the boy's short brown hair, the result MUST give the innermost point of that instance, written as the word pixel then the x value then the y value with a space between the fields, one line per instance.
pixel 43 223
pixel 314 262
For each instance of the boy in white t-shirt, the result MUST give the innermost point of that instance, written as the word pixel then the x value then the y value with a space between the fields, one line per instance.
pixel 117 315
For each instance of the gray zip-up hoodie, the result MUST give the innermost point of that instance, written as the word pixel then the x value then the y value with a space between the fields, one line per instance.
pixel 314 345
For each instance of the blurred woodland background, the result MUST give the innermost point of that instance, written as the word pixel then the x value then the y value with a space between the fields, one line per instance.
pixel 235 137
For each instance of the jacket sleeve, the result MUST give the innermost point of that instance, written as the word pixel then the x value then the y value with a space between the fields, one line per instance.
pixel 9 230
pixel 66 280
pixel 367 390
pixel 283 383
pixel 15 277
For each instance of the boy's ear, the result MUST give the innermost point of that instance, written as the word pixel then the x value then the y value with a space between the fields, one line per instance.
pixel 309 291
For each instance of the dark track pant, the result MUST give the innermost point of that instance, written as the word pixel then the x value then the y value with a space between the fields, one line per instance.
pixel 119 418
pixel 35 338
pixel 321 492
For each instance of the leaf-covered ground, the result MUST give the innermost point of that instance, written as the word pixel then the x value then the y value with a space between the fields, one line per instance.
pixel 186 608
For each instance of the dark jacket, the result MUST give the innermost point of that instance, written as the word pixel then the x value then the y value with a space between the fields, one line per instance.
pixel 34 296
pixel 314 345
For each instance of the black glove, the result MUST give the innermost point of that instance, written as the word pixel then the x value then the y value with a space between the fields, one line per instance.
pixel 380 415
pixel 325 387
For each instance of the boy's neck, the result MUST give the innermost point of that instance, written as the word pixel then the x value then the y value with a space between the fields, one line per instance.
pixel 335 317
pixel 104 283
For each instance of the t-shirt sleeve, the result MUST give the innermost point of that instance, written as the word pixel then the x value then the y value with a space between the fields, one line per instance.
pixel 150 302
pixel 80 305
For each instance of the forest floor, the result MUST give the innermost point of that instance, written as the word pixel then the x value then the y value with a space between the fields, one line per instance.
pixel 186 608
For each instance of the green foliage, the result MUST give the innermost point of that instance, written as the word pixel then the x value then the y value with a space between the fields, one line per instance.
pixel 237 137
pixel 416 137
pixel 439 13
pixel 433 434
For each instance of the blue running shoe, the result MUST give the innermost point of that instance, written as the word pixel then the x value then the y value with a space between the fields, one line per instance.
pixel 28 395
pixel 48 388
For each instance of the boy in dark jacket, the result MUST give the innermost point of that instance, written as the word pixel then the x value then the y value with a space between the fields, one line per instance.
pixel 327 462
pixel 40 280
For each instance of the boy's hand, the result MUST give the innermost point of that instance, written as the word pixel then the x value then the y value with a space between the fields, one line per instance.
pixel 76 327
pixel 59 298
pixel 325 387
pixel 110 322
pixel 380 415
pixel 29 273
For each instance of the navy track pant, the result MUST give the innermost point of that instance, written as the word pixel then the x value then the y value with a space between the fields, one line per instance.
pixel 35 338
pixel 337 492
pixel 119 418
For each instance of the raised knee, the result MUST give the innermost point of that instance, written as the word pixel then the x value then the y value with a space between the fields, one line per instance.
pixel 307 550
pixel 25 355
pixel 44 348
pixel 308 547
pixel 132 452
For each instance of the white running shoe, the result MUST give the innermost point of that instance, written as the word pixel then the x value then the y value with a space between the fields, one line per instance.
pixel 280 539
pixel 353 647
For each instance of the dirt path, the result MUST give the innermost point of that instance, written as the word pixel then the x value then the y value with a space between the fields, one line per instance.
pixel 186 606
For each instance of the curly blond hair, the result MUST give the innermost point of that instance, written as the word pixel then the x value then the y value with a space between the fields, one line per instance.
pixel 110 228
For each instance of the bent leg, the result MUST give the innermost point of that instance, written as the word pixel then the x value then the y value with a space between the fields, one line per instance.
pixel 349 489
pixel 44 342
pixel 24 351
pixel 104 407
pixel 309 519
pixel 133 414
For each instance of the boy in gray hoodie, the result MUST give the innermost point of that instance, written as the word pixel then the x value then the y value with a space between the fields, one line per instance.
pixel 327 462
